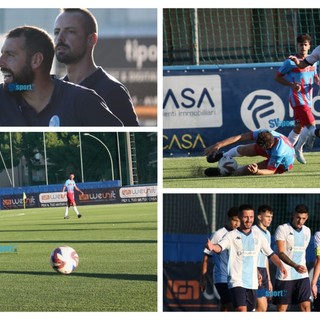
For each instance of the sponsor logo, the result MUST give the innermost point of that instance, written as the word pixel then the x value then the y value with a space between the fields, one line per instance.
pixel 19 87
pixel 98 196
pixel 137 192
pixel 183 290
pixel 261 107
pixel 9 248
pixel 192 102
pixel 52 197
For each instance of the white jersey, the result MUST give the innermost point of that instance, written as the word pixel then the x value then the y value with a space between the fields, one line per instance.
pixel 220 272
pixel 296 243
pixel 243 252
pixel 262 260
pixel 317 250
pixel 314 56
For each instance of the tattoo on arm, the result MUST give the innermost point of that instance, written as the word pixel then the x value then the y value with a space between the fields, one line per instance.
pixel 286 259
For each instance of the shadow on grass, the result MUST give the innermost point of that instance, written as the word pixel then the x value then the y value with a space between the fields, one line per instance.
pixel 130 277
pixel 84 241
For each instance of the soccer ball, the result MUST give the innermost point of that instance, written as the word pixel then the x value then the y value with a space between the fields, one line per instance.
pixel 64 259
pixel 227 165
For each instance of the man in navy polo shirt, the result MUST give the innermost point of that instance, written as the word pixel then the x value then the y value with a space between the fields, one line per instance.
pixel 75 36
pixel 44 100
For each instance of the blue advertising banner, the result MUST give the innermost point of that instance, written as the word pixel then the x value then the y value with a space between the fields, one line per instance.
pixel 205 104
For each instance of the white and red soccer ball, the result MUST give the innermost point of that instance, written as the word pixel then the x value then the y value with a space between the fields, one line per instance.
pixel 64 259
pixel 227 165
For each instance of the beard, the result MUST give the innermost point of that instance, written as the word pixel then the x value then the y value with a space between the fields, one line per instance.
pixel 23 77
pixel 69 57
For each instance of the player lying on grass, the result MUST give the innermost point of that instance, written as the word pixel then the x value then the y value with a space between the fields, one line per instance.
pixel 273 146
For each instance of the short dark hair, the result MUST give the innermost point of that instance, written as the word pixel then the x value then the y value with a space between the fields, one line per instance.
pixel 264 208
pixel 301 208
pixel 36 40
pixel 265 139
pixel 244 207
pixel 90 22
pixel 301 38
pixel 232 212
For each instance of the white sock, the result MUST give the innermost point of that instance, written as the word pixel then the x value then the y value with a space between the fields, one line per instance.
pixel 66 212
pixel 312 129
pixel 76 210
pixel 233 152
pixel 303 138
pixel 293 137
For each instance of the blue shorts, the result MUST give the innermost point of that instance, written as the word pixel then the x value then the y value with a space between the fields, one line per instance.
pixel 291 291
pixel 243 297
pixel 264 287
pixel 224 292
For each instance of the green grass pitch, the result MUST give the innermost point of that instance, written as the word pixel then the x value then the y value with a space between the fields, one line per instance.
pixel 188 173
pixel 117 248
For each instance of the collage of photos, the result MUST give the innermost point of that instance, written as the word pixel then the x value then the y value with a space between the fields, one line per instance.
pixel 111 207
pixel 78 160
pixel 241 148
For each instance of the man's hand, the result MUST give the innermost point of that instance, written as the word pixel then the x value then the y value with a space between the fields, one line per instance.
pixel 295 60
pixel 253 168
pixel 300 268
pixel 211 150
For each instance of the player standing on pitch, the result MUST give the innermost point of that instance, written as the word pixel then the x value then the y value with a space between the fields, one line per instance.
pixel 75 37
pixel 300 97
pixel 292 240
pixel 70 185
pixel 243 245
pixel 315 283
pixel 265 216
pixel 220 270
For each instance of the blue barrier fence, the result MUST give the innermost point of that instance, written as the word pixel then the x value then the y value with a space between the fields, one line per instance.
pixel 205 104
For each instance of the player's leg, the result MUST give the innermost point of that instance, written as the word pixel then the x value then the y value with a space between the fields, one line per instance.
pixel 307 120
pixel 74 205
pixel 282 294
pixel 295 133
pixel 225 297
pixel 239 299
pixel 262 301
pixel 66 213
pixel 303 289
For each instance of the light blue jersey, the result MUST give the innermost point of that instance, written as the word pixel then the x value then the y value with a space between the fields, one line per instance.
pixel 317 250
pixel 70 184
pixel 305 77
pixel 220 272
pixel 243 252
pixel 296 243
pixel 282 153
pixel 262 260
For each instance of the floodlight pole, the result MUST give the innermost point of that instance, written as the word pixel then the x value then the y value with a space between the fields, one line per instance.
pixel 94 137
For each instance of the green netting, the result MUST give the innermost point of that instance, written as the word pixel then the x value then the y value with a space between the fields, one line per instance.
pixel 202 213
pixel 225 36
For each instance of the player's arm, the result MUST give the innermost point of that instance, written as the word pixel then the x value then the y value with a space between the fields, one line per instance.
pixel 204 270
pixel 254 169
pixel 293 85
pixel 276 260
pixel 214 247
pixel 64 187
pixel 269 278
pixel 316 274
pixel 301 64
pixel 213 149
pixel 78 189
pixel 282 255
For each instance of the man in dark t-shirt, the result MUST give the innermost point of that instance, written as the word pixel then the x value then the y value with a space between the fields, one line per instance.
pixel 75 36
pixel 42 100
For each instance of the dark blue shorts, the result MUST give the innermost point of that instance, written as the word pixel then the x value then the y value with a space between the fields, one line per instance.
pixel 291 291
pixel 243 297
pixel 263 289
pixel 224 292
